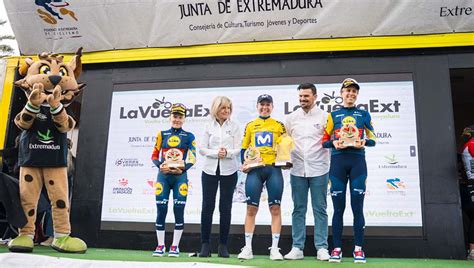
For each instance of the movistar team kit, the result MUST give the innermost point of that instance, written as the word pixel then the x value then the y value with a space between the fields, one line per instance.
pixel 263 133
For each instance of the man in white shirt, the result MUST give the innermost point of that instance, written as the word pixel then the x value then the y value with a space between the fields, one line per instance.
pixel 310 172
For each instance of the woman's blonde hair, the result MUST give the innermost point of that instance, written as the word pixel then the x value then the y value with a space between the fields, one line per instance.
pixel 217 104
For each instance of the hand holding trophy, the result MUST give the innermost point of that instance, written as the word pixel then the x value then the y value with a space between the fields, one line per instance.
pixel 252 159
pixel 349 137
pixel 283 149
pixel 174 162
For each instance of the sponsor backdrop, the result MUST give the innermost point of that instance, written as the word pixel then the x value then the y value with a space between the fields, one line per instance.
pixel 393 184
pixel 62 26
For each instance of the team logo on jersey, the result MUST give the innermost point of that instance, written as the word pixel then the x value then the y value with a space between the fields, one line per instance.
pixel 183 189
pixel 158 188
pixel 174 141
pixel 348 120
pixel 264 139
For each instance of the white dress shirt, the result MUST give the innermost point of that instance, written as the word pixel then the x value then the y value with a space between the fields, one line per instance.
pixel 309 158
pixel 218 136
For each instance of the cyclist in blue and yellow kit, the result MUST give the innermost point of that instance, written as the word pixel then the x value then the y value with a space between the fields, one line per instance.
pixel 348 164
pixel 172 178
pixel 263 134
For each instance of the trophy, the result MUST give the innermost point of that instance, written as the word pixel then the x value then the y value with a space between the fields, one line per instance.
pixel 283 148
pixel 349 135
pixel 252 158
pixel 174 158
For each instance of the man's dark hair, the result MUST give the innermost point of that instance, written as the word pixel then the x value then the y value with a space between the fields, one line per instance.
pixel 308 86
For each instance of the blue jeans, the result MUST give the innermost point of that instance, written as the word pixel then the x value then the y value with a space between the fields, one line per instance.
pixel 299 191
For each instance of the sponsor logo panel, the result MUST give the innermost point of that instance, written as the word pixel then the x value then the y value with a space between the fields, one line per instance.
pixel 122 187
pixel 128 162
pixel 396 186
pixel 161 109
pixel 392 162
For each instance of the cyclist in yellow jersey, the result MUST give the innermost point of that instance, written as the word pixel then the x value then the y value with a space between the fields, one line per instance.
pixel 263 133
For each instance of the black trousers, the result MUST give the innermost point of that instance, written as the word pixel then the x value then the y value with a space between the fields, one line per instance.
pixel 470 214
pixel 10 198
pixel 209 191
pixel 467 202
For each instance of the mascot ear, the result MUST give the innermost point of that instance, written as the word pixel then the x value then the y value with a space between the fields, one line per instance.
pixel 43 55
pixel 76 63
pixel 24 67
pixel 21 83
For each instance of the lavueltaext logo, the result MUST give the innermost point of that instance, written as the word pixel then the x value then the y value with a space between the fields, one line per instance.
pixel 45 138
pixel 391 162
pixel 327 99
pixel 161 109
pixel 330 103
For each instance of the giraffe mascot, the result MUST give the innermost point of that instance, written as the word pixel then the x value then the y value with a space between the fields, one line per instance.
pixel 50 86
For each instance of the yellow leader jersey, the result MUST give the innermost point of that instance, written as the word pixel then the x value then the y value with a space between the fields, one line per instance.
pixel 264 134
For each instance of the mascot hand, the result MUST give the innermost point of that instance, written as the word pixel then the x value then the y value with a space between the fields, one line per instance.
pixel 37 96
pixel 54 99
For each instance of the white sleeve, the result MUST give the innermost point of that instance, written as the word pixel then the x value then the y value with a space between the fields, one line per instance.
pixel 467 161
pixel 237 142
pixel 204 149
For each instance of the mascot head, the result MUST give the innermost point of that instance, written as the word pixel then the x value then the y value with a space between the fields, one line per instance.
pixel 50 71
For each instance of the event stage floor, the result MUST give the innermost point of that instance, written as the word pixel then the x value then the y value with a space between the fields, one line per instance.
pixel 122 258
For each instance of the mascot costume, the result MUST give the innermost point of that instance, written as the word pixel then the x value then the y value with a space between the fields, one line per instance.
pixel 50 86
